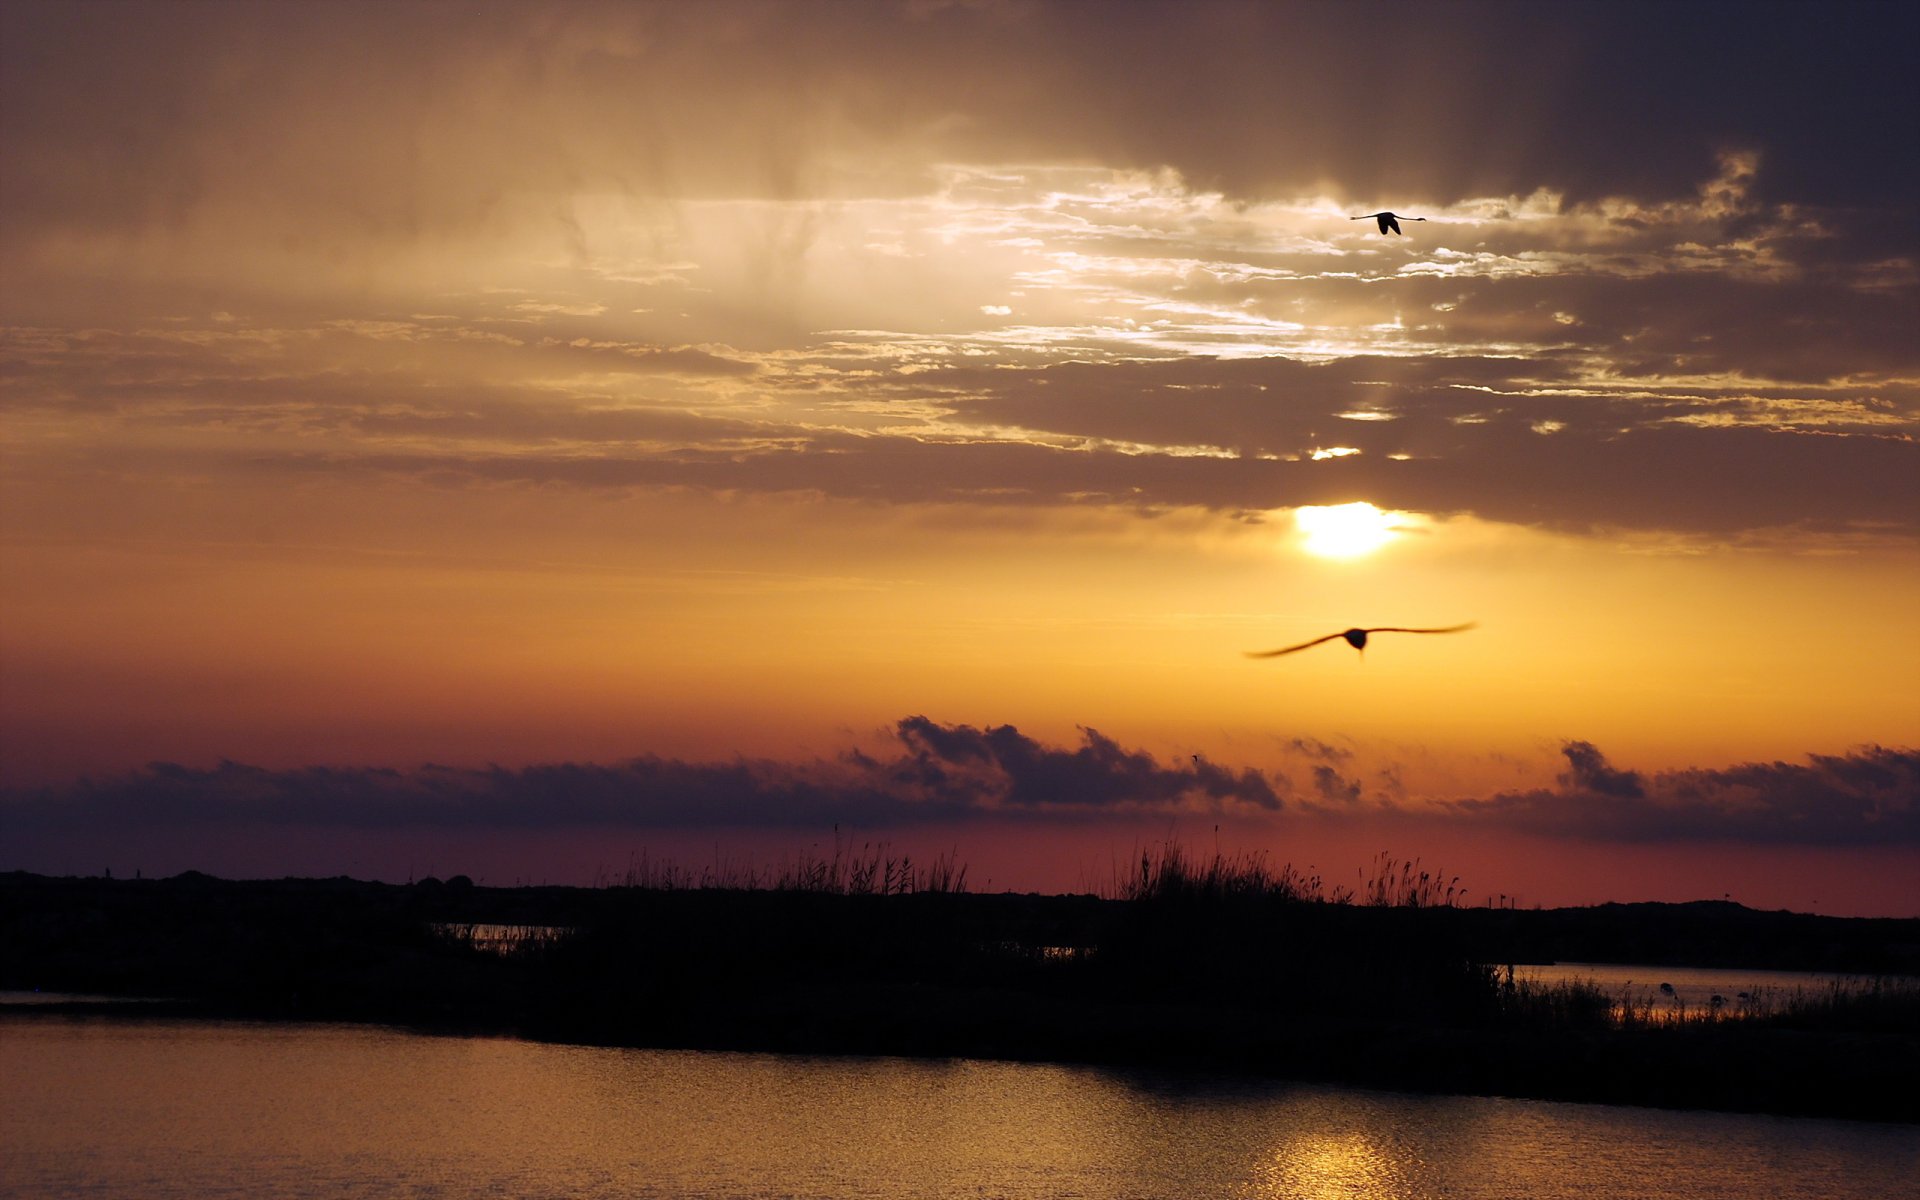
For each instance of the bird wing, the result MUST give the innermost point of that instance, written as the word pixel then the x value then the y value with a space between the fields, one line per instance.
pixel 1387 222
pixel 1400 629
pixel 1290 649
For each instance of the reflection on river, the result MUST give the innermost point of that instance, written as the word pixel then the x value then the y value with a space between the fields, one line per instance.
pixel 200 1109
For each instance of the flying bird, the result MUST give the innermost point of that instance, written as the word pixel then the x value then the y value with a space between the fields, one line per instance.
pixel 1388 222
pixel 1357 638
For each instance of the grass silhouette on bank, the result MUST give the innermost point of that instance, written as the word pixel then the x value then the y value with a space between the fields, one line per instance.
pixel 871 869
pixel 1220 961
pixel 1862 1005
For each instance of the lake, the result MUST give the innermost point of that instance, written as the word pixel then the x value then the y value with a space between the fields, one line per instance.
pixel 1670 992
pixel 165 1108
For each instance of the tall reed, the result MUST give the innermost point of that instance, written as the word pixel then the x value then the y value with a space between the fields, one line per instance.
pixel 1169 871
pixel 1403 884
pixel 868 869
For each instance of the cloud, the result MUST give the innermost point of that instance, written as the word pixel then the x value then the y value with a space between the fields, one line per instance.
pixel 1588 771
pixel 930 772
pixel 1545 463
pixel 1868 796
pixel 934 773
pixel 1335 788
pixel 1674 478
pixel 775 247
pixel 1022 774
pixel 401 118
pixel 1314 748
pixel 1707 365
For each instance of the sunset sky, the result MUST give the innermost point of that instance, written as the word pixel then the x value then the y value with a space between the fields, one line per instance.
pixel 508 439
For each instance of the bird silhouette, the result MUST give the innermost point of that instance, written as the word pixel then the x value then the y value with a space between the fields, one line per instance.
pixel 1357 638
pixel 1388 222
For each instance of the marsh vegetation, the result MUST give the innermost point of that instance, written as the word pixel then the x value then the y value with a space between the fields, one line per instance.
pixel 1219 961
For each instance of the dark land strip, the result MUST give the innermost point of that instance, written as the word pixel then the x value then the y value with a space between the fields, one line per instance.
pixel 1401 995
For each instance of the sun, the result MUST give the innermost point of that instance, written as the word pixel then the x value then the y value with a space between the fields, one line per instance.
pixel 1345 530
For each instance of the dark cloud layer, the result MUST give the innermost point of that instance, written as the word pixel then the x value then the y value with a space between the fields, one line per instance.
pixel 1694 480
pixel 938 773
pixel 1869 796
pixel 960 762
pixel 416 114
pixel 1529 441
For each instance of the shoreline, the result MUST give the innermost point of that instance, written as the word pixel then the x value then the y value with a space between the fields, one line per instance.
pixel 1401 999
pixel 1777 1074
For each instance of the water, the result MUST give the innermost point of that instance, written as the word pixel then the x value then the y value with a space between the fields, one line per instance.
pixel 1741 989
pixel 203 1109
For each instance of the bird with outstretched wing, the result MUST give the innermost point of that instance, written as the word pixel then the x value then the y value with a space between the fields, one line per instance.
pixel 1357 638
pixel 1389 223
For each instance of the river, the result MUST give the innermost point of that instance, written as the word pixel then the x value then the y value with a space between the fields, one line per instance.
pixel 165 1108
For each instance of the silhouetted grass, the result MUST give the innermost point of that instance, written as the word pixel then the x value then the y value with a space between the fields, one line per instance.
pixel 1226 961
pixel 1237 930
pixel 1567 1005
pixel 871 869
pixel 1398 883
pixel 1859 1005
pixel 1169 873
pixel 1878 1005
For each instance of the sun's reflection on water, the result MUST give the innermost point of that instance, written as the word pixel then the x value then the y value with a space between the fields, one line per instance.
pixel 1342 1166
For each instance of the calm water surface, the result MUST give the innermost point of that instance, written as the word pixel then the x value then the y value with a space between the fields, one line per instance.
pixel 1690 990
pixel 197 1109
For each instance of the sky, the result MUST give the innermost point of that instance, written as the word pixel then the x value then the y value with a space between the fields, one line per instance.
pixel 510 440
